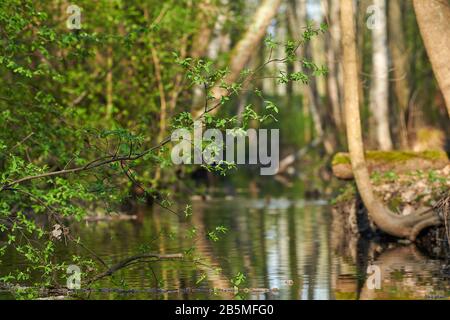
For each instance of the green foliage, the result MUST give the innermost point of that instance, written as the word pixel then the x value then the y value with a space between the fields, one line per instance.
pixel 214 234
pixel 238 279
pixel 68 144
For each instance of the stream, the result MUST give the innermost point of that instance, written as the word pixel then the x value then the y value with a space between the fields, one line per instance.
pixel 286 248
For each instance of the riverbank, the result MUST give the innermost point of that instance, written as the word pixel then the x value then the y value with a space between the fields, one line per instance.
pixel 404 193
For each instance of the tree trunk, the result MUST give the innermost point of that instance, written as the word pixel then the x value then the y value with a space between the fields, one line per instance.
pixel 162 94
pixel 298 21
pixel 363 36
pixel 333 55
pixel 163 104
pixel 201 40
pixel 399 226
pixel 379 100
pixel 245 48
pixel 109 83
pixel 281 37
pixel 207 16
pixel 301 14
pixel 433 17
pixel 400 61
pixel 220 39
pixel 294 31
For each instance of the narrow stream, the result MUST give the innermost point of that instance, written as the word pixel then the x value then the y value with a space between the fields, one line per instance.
pixel 286 248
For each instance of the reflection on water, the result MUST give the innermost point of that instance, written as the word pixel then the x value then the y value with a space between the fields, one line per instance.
pixel 291 247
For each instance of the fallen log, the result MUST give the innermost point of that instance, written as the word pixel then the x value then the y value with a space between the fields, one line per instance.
pixel 391 161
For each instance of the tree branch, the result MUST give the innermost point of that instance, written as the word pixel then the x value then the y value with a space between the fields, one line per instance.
pixel 136 259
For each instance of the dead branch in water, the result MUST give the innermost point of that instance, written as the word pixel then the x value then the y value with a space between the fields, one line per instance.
pixel 140 258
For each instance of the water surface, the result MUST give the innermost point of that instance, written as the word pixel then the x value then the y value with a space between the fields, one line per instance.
pixel 286 248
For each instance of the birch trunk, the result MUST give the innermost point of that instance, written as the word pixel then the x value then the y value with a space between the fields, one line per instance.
pixel 379 99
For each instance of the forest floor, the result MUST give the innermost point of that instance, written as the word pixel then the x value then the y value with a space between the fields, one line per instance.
pixel 403 193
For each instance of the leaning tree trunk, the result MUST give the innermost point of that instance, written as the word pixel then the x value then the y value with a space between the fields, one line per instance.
pixel 379 94
pixel 207 16
pixel 246 47
pixel 433 17
pixel 399 226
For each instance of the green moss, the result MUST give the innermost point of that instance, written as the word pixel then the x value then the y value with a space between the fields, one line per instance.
pixel 402 156
pixel 341 158
pixel 392 156
pixel 345 295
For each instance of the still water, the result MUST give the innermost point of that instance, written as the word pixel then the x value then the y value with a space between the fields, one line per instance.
pixel 286 248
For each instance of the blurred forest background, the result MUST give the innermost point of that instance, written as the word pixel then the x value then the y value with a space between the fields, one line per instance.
pixel 69 98
pixel 119 71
